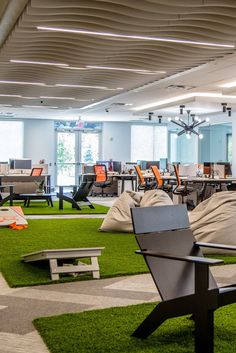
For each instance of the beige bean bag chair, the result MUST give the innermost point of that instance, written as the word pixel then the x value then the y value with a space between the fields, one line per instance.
pixel 118 218
pixel 214 221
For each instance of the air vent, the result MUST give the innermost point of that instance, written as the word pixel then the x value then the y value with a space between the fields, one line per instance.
pixel 118 104
pixel 180 87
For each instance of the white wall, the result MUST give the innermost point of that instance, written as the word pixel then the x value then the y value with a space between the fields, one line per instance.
pixel 116 141
pixel 39 142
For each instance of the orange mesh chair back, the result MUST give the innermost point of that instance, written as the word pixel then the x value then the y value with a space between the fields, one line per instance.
pixel 140 175
pixel 101 173
pixel 157 176
pixel 177 175
pixel 36 171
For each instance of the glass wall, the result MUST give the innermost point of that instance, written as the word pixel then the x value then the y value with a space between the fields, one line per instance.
pixel 148 142
pixel 11 140
pixel 73 148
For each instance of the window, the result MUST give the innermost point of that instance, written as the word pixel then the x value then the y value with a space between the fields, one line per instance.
pixel 148 142
pixel 229 148
pixel 65 158
pixel 11 140
pixel 89 147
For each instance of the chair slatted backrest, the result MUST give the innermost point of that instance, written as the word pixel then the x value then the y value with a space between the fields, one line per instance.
pixel 157 175
pixel 173 278
pixel 100 171
pixel 140 175
pixel 177 175
pixel 84 187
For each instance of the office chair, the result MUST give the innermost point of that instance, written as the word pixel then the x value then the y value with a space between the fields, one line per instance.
pixel 101 181
pixel 143 184
pixel 159 181
pixel 181 190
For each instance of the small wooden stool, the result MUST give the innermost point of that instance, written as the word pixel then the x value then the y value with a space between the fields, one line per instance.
pixel 53 255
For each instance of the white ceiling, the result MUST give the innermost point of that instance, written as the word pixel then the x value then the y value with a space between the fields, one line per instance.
pixel 192 73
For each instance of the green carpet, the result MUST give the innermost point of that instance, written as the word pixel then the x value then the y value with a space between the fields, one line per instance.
pixel 42 208
pixel 118 257
pixel 109 330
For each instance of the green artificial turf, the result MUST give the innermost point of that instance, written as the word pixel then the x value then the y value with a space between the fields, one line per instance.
pixel 118 257
pixel 42 208
pixel 109 330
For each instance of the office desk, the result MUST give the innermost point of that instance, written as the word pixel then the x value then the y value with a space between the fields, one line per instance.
pixel 25 184
pixel 8 197
pixel 123 178
pixel 209 182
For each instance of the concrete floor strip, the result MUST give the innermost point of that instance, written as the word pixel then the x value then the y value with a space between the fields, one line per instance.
pixel 93 300
pixel 29 343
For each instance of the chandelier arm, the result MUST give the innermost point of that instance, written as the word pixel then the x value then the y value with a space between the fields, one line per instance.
pixel 184 124
pixel 194 132
pixel 181 133
pixel 199 123
pixel 179 124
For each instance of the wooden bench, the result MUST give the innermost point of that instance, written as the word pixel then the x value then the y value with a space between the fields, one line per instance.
pixel 53 255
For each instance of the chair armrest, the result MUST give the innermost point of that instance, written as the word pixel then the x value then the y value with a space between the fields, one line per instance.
pixel 216 246
pixel 193 259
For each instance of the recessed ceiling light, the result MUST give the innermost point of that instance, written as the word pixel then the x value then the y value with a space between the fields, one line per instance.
pixel 33 106
pixel 127 36
pixel 48 97
pixel 24 83
pixel 138 71
pixel 37 62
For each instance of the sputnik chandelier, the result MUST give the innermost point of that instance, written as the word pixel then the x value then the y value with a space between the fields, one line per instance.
pixel 188 127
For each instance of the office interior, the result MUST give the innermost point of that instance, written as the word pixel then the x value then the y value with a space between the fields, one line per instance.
pixel 118 83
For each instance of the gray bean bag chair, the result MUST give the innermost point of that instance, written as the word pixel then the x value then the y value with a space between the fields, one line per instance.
pixel 214 221
pixel 118 218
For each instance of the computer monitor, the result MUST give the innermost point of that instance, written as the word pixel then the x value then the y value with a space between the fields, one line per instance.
pixel 88 169
pixel 150 163
pixel 116 166
pixel 163 163
pixel 108 164
pixel 142 164
pixel 23 163
pixel 130 166
pixel 227 165
pixel 207 167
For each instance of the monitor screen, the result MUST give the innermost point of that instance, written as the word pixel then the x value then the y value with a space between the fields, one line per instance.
pixel 116 166
pixel 207 168
pixel 20 163
pixel 88 169
pixel 227 166
pixel 108 164
pixel 163 163
pixel 142 164
pixel 150 163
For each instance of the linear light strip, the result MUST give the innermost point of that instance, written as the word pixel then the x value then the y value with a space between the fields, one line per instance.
pixel 24 83
pixel 138 71
pixel 115 35
pixel 37 62
pixel 178 98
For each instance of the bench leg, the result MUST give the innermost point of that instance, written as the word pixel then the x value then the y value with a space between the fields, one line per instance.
pixel 53 268
pixel 94 263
